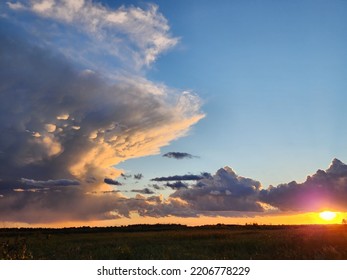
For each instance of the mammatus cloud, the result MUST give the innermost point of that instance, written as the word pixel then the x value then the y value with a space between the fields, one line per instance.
pixel 66 120
pixel 96 123
pixel 64 125
pixel 178 155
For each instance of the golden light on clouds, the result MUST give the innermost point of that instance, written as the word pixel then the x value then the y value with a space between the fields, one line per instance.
pixel 71 118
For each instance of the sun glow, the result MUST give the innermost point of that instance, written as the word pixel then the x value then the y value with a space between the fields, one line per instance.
pixel 327 215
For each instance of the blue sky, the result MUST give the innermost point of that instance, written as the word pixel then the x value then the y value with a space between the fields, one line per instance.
pixel 94 89
pixel 272 76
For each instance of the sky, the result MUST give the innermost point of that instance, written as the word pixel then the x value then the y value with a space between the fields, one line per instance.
pixel 193 112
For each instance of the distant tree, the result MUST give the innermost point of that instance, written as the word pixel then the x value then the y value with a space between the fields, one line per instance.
pixel 344 221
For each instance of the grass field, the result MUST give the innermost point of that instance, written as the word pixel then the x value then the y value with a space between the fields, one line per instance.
pixel 317 242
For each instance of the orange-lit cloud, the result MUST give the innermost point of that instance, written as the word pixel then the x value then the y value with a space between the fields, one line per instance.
pixel 70 116
pixel 72 110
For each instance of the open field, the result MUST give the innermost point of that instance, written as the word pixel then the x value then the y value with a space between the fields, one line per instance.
pixel 177 242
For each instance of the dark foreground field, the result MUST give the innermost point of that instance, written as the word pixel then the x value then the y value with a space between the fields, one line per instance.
pixel 177 242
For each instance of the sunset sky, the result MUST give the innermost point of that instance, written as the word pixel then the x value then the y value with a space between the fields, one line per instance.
pixel 193 112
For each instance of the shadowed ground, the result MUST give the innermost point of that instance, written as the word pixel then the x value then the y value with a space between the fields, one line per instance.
pixel 177 242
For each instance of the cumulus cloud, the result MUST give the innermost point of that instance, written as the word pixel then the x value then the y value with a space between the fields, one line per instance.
pixel 222 194
pixel 228 194
pixel 322 190
pixel 68 117
pixel 65 123
pixel 224 191
pixel 178 155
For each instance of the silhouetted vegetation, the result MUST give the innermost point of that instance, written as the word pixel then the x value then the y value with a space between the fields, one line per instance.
pixel 15 249
pixel 173 241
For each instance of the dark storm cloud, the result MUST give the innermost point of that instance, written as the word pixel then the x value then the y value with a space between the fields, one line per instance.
pixel 61 117
pixel 56 205
pixel 225 191
pixel 324 189
pixel 61 120
pixel 222 194
pixel 178 155
pixel 50 129
pixel 112 182
pixel 73 204
pixel 188 177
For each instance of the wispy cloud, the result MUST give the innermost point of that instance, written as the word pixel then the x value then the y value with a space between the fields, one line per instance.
pixel 67 121
pixel 126 32
pixel 138 176
pixel 178 155
pixel 15 5
pixel 50 183
pixel 143 191
pixel 188 177
pixel 124 176
pixel 156 187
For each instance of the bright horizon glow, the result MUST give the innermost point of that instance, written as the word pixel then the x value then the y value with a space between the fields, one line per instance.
pixel 328 215
pixel 310 218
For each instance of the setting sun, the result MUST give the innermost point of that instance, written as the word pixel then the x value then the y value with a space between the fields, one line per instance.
pixel 120 136
pixel 327 215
